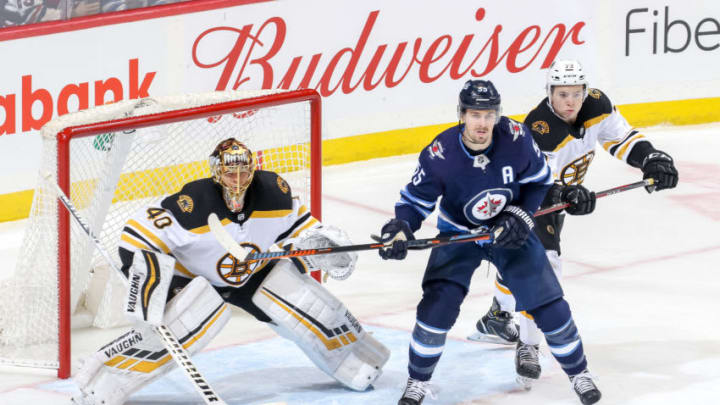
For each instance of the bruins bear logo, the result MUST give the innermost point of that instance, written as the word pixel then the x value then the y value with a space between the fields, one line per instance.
pixel 541 127
pixel 594 93
pixel 185 203
pixel 282 185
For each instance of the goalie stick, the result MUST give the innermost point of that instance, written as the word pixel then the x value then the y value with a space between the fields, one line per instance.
pixel 170 341
pixel 227 241
pixel 599 194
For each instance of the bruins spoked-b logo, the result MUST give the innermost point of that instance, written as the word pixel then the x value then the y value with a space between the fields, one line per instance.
pixel 233 270
pixel 574 173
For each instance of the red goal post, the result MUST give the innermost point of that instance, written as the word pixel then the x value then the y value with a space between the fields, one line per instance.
pixel 112 159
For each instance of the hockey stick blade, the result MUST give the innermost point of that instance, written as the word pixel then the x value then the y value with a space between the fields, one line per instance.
pixel 619 189
pixel 233 247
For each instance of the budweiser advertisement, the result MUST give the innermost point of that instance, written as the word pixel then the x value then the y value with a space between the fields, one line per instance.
pixel 378 65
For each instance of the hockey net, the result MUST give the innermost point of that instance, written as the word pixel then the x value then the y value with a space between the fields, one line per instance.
pixel 113 160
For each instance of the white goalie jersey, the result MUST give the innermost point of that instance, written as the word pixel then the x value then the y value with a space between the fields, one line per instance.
pixel 571 148
pixel 178 227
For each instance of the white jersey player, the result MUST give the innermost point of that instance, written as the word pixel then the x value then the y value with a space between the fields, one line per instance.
pixel 182 277
pixel 568 125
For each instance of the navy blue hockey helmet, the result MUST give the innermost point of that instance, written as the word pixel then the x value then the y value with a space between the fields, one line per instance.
pixel 479 95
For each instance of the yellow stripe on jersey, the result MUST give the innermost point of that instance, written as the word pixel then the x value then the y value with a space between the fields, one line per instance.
pixel 270 214
pixel 136 225
pixel 330 344
pixel 619 154
pixel 303 209
pixel 140 245
pixel 310 223
pixel 528 316
pixel 502 288
pixel 131 240
pixel 563 143
pixel 149 365
pixel 206 228
pixel 587 124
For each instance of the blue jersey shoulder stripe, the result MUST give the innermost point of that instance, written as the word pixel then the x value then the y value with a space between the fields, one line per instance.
pixel 416 200
pixel 539 177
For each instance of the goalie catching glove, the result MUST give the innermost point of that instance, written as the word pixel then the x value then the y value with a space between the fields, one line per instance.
pixel 339 266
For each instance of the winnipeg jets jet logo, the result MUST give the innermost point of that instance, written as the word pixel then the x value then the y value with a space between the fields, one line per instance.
pixel 436 149
pixel 516 129
pixel 487 204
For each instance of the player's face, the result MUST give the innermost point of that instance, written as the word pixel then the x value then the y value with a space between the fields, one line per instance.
pixel 235 178
pixel 478 128
pixel 566 101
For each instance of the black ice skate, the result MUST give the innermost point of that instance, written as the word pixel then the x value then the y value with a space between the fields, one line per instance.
pixel 496 326
pixel 414 392
pixel 585 388
pixel 527 364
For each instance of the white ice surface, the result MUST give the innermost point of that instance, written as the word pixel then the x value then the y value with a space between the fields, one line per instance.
pixel 642 275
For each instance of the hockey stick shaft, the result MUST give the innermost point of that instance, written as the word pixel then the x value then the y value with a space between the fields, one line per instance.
pixel 599 194
pixel 170 341
pixel 226 240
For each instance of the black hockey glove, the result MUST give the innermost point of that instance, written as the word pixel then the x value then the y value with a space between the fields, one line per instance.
pixel 581 200
pixel 395 233
pixel 659 166
pixel 512 227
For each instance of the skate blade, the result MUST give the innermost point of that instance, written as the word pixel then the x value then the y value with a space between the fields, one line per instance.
pixel 481 337
pixel 525 382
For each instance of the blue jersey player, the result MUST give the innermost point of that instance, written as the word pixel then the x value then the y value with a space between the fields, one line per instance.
pixel 487 173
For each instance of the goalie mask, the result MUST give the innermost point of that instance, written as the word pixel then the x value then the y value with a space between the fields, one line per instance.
pixel 232 166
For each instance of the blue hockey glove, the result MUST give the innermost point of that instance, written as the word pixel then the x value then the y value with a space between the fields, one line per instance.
pixel 581 200
pixel 659 166
pixel 512 227
pixel 395 234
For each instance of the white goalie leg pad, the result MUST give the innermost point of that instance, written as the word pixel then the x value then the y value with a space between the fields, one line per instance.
pixel 338 266
pixel 306 313
pixel 149 277
pixel 196 315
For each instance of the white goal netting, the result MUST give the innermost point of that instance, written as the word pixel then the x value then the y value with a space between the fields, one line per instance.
pixel 111 176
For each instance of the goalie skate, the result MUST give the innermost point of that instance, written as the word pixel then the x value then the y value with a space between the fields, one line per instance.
pixel 496 326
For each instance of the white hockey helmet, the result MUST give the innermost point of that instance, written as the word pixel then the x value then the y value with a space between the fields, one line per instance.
pixel 566 72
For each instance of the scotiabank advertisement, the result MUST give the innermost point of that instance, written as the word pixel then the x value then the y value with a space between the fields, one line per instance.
pixel 379 65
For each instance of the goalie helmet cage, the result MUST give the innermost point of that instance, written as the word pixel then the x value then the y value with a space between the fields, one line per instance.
pixel 115 159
